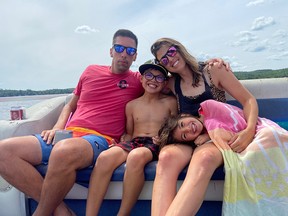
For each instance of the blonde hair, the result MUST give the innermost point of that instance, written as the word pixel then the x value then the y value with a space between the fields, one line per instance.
pixel 188 58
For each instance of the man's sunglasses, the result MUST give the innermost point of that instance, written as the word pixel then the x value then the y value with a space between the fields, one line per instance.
pixel 171 52
pixel 129 50
pixel 158 78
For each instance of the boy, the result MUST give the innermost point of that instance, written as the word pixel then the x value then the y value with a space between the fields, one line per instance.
pixel 144 117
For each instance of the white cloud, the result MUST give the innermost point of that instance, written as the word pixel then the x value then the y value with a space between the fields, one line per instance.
pixel 234 64
pixel 232 60
pixel 262 22
pixel 203 56
pixel 237 67
pixel 84 29
pixel 258 46
pixel 244 38
pixel 255 3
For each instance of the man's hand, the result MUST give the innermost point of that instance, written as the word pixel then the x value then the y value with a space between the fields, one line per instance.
pixel 48 135
pixel 220 62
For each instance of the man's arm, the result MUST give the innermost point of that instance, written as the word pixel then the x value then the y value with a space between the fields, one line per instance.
pixel 220 62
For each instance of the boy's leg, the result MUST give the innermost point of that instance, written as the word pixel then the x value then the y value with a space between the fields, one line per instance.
pixel 100 178
pixel 134 178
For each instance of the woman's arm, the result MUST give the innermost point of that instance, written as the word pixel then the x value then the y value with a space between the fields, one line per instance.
pixel 227 81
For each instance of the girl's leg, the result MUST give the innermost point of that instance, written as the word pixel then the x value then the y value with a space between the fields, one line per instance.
pixel 100 178
pixel 205 159
pixel 134 178
pixel 172 160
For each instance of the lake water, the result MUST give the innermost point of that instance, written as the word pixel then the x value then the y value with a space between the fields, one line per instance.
pixel 25 101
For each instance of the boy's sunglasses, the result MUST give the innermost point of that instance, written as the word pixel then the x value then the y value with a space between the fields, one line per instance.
pixel 171 52
pixel 158 78
pixel 129 50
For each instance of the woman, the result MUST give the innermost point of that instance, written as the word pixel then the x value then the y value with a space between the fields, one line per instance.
pixel 192 85
pixel 258 174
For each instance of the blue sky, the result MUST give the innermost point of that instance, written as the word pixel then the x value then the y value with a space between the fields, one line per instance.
pixel 47 44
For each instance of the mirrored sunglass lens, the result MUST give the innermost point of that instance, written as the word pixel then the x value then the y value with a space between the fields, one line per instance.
pixel 130 51
pixel 171 52
pixel 164 61
pixel 119 48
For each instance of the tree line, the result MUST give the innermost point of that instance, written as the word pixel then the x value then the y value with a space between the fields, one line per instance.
pixel 259 74
pixel 29 92
pixel 241 75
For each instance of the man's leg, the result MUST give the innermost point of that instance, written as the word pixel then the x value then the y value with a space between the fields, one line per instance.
pixel 18 155
pixel 66 157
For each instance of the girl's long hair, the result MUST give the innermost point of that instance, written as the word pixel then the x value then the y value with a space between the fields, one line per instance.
pixel 166 132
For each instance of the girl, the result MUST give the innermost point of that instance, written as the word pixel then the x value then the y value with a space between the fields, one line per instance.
pixel 256 178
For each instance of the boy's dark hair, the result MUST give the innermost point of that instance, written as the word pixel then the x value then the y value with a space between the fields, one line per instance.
pixel 125 33
pixel 166 132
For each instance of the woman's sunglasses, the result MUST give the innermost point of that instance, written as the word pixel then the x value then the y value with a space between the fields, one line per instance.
pixel 158 78
pixel 171 52
pixel 129 50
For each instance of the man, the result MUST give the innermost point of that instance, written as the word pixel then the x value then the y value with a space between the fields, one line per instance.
pixel 102 92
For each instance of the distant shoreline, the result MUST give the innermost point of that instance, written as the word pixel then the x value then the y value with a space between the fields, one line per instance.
pixel 29 92
pixel 30 97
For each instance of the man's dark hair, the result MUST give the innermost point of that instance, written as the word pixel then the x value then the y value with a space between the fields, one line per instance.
pixel 125 33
